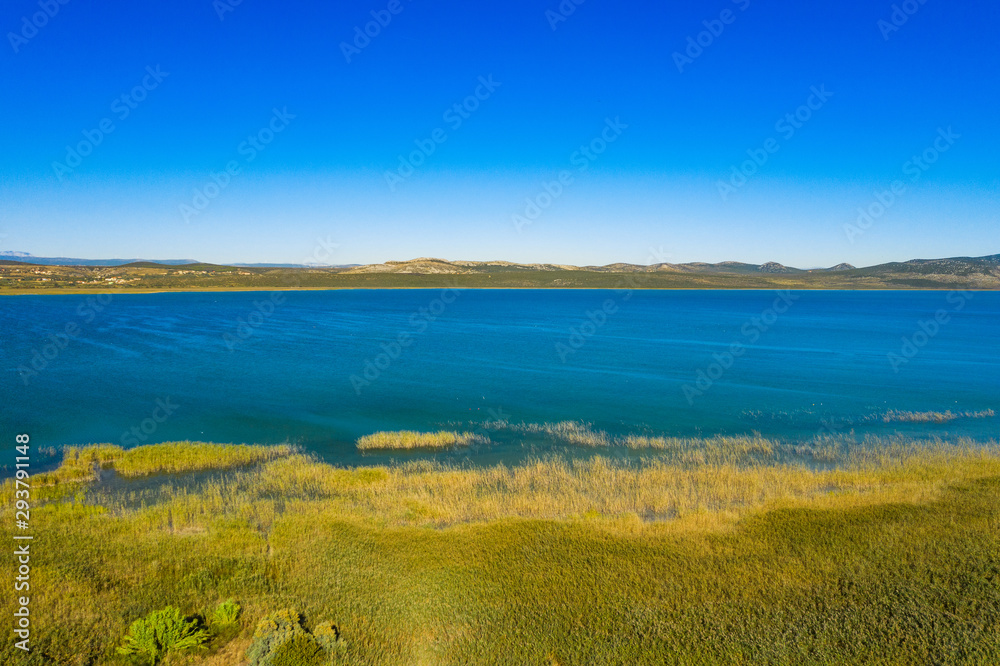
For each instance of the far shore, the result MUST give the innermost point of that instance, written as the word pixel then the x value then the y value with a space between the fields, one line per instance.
pixel 962 273
pixel 67 292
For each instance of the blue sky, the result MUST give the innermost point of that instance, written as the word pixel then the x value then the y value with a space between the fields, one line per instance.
pixel 645 141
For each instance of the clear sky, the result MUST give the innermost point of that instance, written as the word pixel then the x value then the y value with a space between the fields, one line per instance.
pixel 584 133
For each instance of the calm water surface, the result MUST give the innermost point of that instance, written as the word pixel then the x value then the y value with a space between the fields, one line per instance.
pixel 321 368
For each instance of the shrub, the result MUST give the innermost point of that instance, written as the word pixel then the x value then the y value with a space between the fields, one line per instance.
pixel 161 632
pixel 328 635
pixel 274 631
pixel 226 613
pixel 302 650
pixel 281 640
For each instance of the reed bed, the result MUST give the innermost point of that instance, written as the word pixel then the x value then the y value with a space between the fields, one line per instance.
pixel 409 439
pixel 82 464
pixel 423 493
pixel 894 415
pixel 838 550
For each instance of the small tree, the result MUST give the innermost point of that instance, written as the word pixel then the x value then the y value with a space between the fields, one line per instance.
pixel 281 640
pixel 328 635
pixel 302 650
pixel 273 631
pixel 161 632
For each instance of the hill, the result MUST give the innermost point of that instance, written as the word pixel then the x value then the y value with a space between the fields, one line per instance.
pixel 950 273
pixel 70 261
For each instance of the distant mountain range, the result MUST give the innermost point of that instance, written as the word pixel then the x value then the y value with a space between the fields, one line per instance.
pixel 964 266
pixel 431 266
pixel 70 261
pixel 955 272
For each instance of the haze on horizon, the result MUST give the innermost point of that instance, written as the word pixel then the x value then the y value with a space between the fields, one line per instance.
pixel 319 261
pixel 533 132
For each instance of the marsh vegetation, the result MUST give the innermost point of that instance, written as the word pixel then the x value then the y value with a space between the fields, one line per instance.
pixel 409 439
pixel 732 550
pixel 895 415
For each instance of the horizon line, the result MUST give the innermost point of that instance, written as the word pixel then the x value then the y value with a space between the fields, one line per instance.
pixel 25 257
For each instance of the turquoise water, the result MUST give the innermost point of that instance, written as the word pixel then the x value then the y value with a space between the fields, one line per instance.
pixel 802 363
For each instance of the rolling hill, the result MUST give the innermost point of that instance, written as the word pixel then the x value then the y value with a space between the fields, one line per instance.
pixel 22 276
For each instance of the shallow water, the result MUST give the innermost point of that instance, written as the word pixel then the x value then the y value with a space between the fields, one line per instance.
pixel 821 364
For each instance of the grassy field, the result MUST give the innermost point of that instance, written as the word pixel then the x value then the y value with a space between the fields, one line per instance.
pixel 741 551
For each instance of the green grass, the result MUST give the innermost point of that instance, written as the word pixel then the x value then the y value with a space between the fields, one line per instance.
pixel 409 439
pixel 889 553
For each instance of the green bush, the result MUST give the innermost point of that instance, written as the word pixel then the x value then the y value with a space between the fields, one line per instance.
pixel 302 650
pixel 274 631
pixel 328 635
pixel 281 640
pixel 226 613
pixel 161 632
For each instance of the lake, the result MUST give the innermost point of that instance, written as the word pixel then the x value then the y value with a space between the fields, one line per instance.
pixel 321 368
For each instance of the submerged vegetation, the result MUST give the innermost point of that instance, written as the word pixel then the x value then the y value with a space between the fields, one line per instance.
pixel 729 450
pixel 934 417
pixel 409 439
pixel 728 550
pixel 889 416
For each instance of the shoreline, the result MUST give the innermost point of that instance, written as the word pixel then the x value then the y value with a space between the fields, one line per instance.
pixel 208 290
